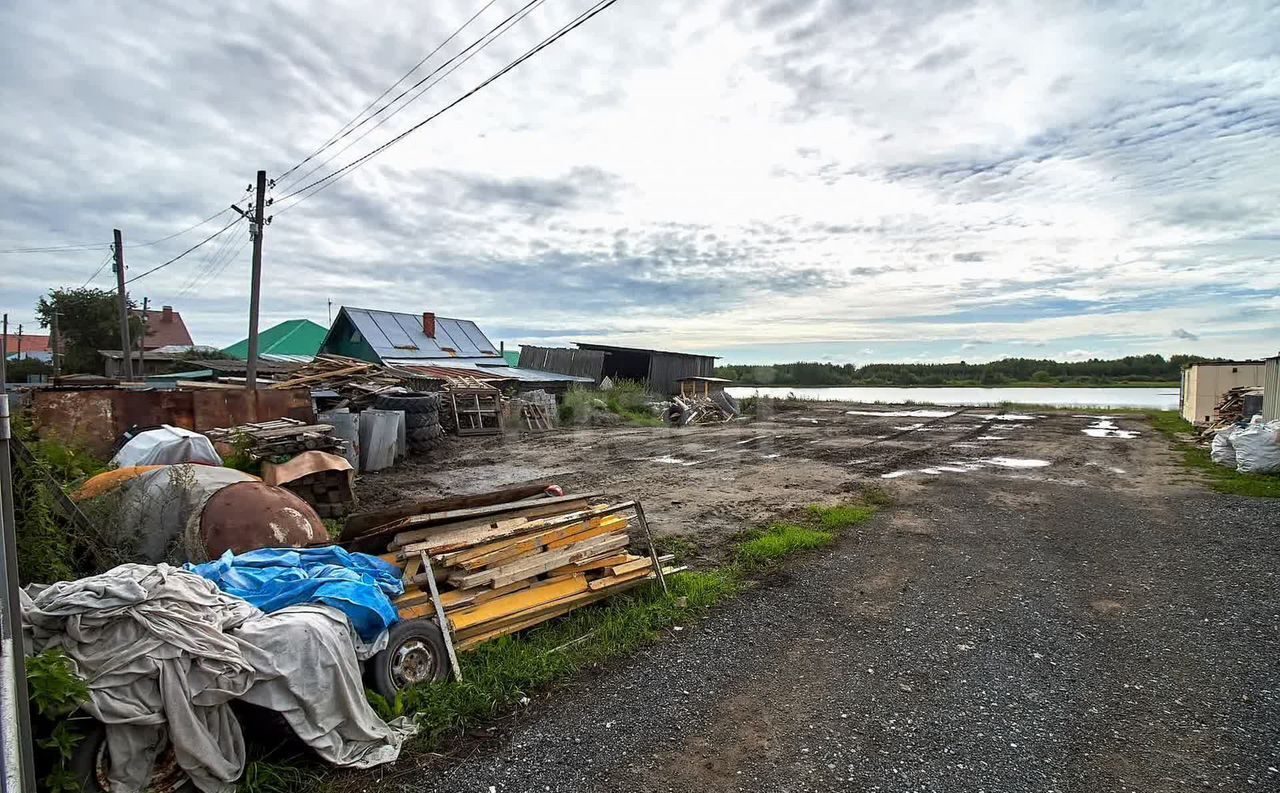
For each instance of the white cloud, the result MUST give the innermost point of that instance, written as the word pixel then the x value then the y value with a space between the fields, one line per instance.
pixel 703 176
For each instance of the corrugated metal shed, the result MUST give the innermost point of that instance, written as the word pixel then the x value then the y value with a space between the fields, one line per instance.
pixel 484 371
pixel 661 370
pixel 357 332
pixel 563 360
pixel 1271 389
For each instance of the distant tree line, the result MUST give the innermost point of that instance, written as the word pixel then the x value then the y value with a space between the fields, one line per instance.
pixel 1095 371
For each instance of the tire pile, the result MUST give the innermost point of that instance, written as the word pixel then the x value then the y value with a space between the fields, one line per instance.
pixel 421 418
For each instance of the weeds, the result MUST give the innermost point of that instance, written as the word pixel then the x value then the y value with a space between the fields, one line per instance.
pixel 778 541
pixel 679 546
pixel 56 692
pixel 842 516
pixel 265 776
pixel 627 399
pixel 1221 478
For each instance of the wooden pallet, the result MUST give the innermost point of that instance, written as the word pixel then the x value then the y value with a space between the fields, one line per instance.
pixel 477 411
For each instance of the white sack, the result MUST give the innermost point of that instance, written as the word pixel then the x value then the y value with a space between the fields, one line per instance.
pixel 1257 448
pixel 1221 451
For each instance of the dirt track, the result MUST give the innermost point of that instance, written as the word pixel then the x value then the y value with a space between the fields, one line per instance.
pixel 1100 623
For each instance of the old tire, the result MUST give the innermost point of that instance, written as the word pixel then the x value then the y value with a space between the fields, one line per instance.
pixel 414 421
pixel 409 403
pixel 424 434
pixel 415 654
pixel 90 763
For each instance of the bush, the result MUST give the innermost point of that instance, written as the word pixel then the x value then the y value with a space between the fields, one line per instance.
pixel 627 399
pixel 56 692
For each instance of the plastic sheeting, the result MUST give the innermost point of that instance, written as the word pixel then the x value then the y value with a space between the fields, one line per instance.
pixel 166 446
pixel 1221 451
pixel 157 506
pixel 164 652
pixel 359 585
pixel 1257 447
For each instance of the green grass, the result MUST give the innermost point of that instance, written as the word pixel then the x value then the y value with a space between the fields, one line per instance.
pixel 1195 457
pixel 627 399
pixel 778 541
pixel 842 516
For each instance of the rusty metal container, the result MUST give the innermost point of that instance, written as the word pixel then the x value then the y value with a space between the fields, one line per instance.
pixel 250 515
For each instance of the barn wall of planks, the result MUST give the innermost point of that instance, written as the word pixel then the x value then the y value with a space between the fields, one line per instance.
pixel 499 571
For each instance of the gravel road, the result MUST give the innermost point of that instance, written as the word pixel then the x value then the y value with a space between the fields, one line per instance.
pixel 996 630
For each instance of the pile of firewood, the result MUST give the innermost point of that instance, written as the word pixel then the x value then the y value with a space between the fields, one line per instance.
pixel 280 437
pixel 687 410
pixel 1230 408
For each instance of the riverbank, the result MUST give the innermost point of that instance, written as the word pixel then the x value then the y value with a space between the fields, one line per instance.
pixel 970 384
pixel 1155 398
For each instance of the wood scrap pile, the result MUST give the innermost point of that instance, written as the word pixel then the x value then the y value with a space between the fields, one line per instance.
pixel 284 436
pixel 1231 408
pixel 358 382
pixel 505 567
pixel 686 410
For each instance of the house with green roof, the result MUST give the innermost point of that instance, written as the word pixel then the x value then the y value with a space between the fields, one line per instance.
pixel 292 340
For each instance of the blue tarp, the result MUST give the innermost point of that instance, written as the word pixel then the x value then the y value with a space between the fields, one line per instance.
pixel 358 584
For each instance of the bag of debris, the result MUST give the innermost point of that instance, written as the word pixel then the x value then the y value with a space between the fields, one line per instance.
pixel 1257 447
pixel 1221 451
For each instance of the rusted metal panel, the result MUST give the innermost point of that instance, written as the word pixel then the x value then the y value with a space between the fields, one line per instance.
pixel 95 418
pixel 250 515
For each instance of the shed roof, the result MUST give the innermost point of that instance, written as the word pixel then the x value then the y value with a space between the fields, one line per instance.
pixel 392 334
pixel 613 348
pixel 701 378
pixel 486 371
pixel 293 337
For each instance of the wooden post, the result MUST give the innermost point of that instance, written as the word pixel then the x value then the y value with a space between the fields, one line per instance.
pixel 55 342
pixel 653 552
pixel 142 341
pixel 258 228
pixel 125 347
pixel 444 621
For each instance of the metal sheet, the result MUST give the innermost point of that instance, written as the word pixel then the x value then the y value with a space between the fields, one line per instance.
pixel 250 515
pixel 397 335
pixel 1271 389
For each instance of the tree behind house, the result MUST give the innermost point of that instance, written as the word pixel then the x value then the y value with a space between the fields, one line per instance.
pixel 88 321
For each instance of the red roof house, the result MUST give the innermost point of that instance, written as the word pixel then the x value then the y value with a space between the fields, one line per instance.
pixel 28 346
pixel 165 328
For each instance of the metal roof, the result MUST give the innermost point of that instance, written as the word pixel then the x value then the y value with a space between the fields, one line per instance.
pixel 395 335
pixel 487 372
pixel 614 348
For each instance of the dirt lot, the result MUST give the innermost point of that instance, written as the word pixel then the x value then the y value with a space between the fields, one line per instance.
pixel 1043 609
pixel 707 483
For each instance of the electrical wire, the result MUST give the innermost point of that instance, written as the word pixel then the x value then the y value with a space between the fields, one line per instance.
pixel 111 255
pixel 207 266
pixel 509 22
pixel 57 248
pixel 343 131
pixel 184 253
pixel 326 181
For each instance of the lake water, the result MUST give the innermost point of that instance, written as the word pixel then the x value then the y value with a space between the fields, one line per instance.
pixel 1157 398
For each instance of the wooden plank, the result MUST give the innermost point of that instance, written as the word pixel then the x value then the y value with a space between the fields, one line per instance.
pixel 444 621
pixel 642 563
pixel 606 526
pixel 519 601
pixel 363 522
pixel 483 633
pixel 653 551
pixel 552 538
pixel 452 540
pixel 598 563
pixel 311 378
pixel 535 564
pixel 406 534
pixel 605 583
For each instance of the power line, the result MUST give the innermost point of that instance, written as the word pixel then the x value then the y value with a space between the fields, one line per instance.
pixel 325 181
pixel 205 267
pixel 110 256
pixel 184 253
pixel 342 131
pixel 491 37
pixel 58 248
pixel 184 231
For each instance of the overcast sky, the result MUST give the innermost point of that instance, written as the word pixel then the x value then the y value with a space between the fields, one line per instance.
pixel 833 180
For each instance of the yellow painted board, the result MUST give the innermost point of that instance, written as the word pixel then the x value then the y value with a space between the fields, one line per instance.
pixel 631 566
pixel 605 583
pixel 593 564
pixel 518 601
pixel 614 523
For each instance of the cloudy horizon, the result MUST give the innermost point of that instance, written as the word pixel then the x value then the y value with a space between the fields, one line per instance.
pixel 766 182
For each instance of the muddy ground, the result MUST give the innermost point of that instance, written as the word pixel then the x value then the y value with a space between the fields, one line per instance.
pixel 708 483
pixel 1043 609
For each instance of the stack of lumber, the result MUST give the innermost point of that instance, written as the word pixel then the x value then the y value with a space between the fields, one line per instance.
pixel 358 382
pixel 278 437
pixel 687 410
pixel 1230 408
pixel 517 564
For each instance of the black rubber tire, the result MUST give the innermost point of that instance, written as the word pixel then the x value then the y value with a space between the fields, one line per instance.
pixel 409 403
pixel 83 763
pixel 415 421
pixel 383 678
pixel 423 434
pixel 727 401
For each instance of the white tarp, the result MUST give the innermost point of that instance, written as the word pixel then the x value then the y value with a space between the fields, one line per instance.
pixel 164 652
pixel 1221 451
pixel 166 446
pixel 1257 447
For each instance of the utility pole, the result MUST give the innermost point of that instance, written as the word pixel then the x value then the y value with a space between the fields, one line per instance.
pixel 4 358
pixel 142 340
pixel 16 753
pixel 257 227
pixel 19 343
pixel 125 347
pixel 55 345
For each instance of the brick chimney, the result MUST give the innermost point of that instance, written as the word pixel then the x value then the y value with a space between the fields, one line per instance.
pixel 166 314
pixel 429 324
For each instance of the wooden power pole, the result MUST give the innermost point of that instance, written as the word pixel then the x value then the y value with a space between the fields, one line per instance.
pixel 126 350
pixel 257 227
pixel 142 341
pixel 55 344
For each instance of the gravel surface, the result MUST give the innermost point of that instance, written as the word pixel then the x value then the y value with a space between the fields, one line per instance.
pixel 992 632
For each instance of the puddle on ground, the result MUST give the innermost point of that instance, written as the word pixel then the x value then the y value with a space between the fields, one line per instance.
pixel 904 414
pixel 1005 416
pixel 770 456
pixel 909 428
pixel 990 438
pixel 1106 428
pixel 667 459
pixel 966 466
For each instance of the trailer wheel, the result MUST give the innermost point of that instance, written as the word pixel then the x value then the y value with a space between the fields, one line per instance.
pixel 415 654
pixel 90 763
